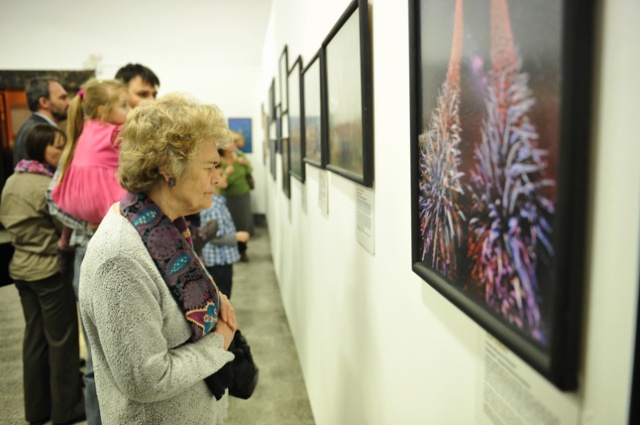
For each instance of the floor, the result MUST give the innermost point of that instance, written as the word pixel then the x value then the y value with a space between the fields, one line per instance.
pixel 280 397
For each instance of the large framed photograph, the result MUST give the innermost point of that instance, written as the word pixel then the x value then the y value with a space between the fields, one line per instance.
pixel 296 123
pixel 313 105
pixel 283 71
pixel 242 126
pixel 499 142
pixel 349 94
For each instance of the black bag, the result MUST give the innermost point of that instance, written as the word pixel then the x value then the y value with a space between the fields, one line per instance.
pixel 250 181
pixel 240 376
pixel 6 253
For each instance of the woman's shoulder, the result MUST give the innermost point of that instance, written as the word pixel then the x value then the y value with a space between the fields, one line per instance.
pixel 27 183
pixel 116 237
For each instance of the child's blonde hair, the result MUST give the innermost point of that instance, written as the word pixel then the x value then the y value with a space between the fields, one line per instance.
pixel 95 100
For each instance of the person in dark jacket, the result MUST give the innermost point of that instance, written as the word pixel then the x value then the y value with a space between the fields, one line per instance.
pixel 49 102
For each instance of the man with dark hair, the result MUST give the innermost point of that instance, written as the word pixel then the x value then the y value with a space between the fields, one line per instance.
pixel 143 83
pixel 49 102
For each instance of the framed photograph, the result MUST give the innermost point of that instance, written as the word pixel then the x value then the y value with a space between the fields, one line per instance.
pixel 278 130
pixel 296 123
pixel 349 95
pixel 499 141
pixel 283 69
pixel 272 158
pixel 313 107
pixel 286 168
pixel 264 117
pixel 243 127
pixel 272 101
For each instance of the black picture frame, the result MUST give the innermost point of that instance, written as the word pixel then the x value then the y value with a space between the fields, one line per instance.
pixel 314 106
pixel 283 72
pixel 286 175
pixel 272 150
pixel 499 216
pixel 272 101
pixel 349 95
pixel 278 129
pixel 634 406
pixel 264 119
pixel 296 120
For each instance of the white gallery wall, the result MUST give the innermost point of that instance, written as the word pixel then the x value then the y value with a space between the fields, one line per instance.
pixel 379 346
pixel 210 49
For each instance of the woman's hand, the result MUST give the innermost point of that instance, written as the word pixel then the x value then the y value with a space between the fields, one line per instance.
pixel 227 314
pixel 242 236
pixel 227 333
pixel 243 161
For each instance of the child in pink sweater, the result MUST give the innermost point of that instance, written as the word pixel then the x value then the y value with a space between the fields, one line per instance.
pixel 88 184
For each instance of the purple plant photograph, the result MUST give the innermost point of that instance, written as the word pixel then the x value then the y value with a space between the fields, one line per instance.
pixel 488 79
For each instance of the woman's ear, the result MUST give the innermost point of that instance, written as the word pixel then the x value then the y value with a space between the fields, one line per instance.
pixel 166 176
pixel 100 109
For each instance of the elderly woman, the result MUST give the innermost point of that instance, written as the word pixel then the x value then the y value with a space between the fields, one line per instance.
pixel 52 388
pixel 157 323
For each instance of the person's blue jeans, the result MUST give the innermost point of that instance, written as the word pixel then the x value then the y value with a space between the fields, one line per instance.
pixel 91 406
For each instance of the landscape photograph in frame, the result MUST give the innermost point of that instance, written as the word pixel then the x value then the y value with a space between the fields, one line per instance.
pixel 286 168
pixel 349 93
pixel 296 122
pixel 312 105
pixel 283 72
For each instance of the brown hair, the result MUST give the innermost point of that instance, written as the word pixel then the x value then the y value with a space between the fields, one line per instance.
pixel 38 138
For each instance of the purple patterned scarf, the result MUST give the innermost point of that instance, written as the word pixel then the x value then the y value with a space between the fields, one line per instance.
pixel 35 167
pixel 170 246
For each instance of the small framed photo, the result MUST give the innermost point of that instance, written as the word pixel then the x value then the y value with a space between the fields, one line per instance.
pixel 272 156
pixel 349 95
pixel 264 118
pixel 272 101
pixel 313 107
pixel 278 129
pixel 286 161
pixel 499 168
pixel 243 127
pixel 296 122
pixel 283 69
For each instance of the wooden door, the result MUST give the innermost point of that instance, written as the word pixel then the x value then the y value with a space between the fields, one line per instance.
pixel 15 111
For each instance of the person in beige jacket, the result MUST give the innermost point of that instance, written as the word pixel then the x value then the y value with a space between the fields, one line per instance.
pixel 52 386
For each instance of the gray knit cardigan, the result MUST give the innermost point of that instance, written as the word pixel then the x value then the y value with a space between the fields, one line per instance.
pixel 146 371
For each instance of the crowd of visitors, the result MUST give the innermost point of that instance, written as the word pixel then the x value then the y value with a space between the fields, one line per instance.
pixel 96 215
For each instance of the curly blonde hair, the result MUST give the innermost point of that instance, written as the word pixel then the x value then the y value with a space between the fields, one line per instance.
pixel 164 136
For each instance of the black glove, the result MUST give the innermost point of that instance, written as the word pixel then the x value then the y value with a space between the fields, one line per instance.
pixel 202 235
pixel 240 376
